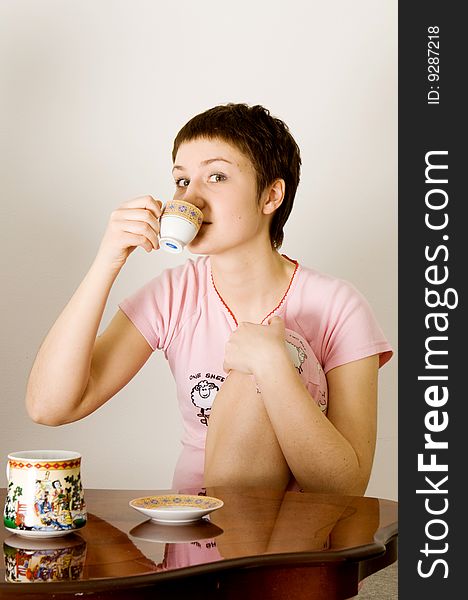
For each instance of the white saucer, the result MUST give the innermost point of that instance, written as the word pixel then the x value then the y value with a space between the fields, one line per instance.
pixel 176 509
pixel 41 534
pixel 150 531
pixel 20 543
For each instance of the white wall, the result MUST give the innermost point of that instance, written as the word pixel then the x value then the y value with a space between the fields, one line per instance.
pixel 92 95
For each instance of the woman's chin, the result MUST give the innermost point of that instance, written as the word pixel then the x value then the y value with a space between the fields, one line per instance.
pixel 197 247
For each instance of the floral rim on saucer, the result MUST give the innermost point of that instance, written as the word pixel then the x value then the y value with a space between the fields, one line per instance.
pixel 176 508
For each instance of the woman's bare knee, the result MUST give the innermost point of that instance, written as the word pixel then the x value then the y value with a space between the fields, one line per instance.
pixel 241 445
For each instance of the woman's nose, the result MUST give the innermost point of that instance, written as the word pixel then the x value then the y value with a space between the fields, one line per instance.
pixel 193 195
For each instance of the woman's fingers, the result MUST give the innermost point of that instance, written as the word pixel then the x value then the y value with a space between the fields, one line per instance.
pixel 134 223
pixel 146 202
pixel 141 229
pixel 132 241
pixel 140 216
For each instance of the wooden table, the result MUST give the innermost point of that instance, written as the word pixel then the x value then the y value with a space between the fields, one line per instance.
pixel 260 545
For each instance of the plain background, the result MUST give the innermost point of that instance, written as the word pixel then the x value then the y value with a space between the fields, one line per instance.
pixel 92 94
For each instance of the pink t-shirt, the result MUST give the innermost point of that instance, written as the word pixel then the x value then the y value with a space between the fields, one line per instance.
pixel 328 323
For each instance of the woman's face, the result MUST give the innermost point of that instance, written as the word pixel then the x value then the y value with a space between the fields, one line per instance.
pixel 221 181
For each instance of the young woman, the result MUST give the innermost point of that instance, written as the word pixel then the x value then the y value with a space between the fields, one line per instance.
pixel 276 364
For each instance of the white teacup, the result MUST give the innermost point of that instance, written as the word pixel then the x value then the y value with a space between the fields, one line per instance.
pixel 45 496
pixel 179 224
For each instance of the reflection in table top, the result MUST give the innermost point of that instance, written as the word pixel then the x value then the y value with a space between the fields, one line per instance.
pixel 254 527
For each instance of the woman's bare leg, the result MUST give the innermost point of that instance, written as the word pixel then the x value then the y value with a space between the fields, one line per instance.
pixel 241 446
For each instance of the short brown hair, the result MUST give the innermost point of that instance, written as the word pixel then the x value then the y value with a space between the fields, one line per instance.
pixel 264 139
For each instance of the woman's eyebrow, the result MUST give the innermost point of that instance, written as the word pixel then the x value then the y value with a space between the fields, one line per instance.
pixel 204 163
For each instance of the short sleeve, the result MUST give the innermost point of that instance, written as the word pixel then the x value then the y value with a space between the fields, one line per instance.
pixel 350 330
pixel 147 310
pixel 160 306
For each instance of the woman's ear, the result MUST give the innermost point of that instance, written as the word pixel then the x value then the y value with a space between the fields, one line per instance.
pixel 273 196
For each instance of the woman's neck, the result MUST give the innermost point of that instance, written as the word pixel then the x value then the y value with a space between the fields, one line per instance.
pixel 251 284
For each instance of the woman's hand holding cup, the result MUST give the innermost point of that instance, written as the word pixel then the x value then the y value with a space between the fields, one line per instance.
pixel 134 223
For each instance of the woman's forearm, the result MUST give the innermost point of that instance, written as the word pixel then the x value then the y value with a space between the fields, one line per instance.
pixel 319 456
pixel 60 377
pixel 60 372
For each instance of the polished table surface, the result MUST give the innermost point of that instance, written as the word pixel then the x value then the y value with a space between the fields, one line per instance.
pixel 260 544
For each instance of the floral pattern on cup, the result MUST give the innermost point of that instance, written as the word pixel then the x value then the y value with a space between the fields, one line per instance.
pixel 184 210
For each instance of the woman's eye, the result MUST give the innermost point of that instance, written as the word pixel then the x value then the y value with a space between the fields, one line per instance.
pixel 182 182
pixel 217 177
